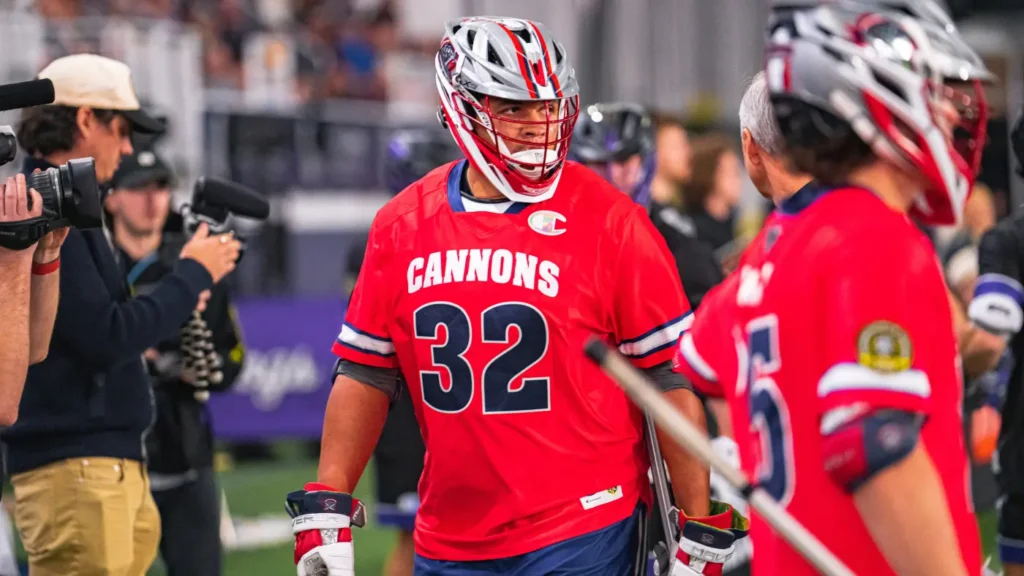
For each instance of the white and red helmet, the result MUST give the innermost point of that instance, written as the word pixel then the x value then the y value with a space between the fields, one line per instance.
pixel 512 59
pixel 881 66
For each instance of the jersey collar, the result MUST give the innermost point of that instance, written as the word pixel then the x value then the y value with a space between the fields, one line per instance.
pixel 455 178
pixel 803 198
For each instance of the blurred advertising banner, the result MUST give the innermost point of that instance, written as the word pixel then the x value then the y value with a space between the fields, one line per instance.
pixel 283 388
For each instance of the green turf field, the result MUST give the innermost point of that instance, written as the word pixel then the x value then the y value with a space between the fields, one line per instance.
pixel 259 489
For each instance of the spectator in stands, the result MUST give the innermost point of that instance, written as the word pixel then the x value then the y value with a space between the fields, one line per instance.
pixel 86 407
pixel 713 191
pixel 179 446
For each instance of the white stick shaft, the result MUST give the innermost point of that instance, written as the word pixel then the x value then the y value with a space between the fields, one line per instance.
pixel 696 441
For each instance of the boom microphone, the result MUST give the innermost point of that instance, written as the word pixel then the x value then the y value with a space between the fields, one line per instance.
pixel 217 198
pixel 26 94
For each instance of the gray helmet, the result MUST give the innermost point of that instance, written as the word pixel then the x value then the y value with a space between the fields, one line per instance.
pixel 856 65
pixel 484 58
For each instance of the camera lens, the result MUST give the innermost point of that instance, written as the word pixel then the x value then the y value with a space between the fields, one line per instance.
pixel 8 148
pixel 71 195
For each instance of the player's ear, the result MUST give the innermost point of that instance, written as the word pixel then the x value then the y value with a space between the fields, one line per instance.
pixel 751 151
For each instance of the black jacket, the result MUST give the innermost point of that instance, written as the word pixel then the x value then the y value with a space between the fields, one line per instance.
pixel 91 396
pixel 181 438
pixel 698 267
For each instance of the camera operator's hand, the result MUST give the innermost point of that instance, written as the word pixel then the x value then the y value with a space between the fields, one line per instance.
pixel 48 248
pixel 218 254
pixel 204 298
pixel 14 207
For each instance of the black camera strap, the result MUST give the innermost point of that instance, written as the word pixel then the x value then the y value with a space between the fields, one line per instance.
pixel 24 234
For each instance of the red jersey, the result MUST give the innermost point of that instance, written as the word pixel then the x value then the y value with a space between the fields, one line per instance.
pixel 841 309
pixel 486 315
pixel 709 353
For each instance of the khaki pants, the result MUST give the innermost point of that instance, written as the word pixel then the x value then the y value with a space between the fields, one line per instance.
pixel 87 516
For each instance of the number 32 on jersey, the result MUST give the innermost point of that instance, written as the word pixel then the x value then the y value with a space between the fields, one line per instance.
pixel 502 386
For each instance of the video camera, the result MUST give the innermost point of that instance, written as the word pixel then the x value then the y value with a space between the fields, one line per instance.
pixel 70 192
pixel 214 201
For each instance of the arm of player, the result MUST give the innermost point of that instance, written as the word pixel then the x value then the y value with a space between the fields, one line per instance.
pixel 919 538
pixel 883 346
pixel 366 381
pixel 692 489
pixel 998 297
pixel 650 314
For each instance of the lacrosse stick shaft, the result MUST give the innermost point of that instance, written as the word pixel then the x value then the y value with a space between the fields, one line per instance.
pixel 660 479
pixel 645 395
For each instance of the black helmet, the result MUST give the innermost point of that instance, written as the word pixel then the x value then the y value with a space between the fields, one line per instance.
pixel 612 133
pixel 412 153
pixel 615 132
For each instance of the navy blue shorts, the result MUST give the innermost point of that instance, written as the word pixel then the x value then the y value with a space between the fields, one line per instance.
pixel 618 550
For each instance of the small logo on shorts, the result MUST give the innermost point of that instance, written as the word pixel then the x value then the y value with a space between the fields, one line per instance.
pixel 547 222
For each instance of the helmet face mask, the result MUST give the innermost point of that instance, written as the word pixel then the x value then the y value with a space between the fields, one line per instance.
pixel 510 99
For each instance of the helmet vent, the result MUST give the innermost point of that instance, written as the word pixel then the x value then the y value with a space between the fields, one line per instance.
pixel 492 56
pixel 891 87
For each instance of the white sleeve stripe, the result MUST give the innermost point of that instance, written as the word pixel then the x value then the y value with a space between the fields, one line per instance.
pixel 689 353
pixel 363 342
pixel 656 340
pixel 849 377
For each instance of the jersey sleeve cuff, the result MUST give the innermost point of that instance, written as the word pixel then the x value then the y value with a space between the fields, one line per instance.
pixel 364 347
pixel 691 365
pixel 658 344
pixel 848 383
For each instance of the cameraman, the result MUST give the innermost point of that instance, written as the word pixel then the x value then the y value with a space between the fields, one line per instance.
pixel 82 499
pixel 180 445
pixel 28 295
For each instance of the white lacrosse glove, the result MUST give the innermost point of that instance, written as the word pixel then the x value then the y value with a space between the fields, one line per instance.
pixel 707 543
pixel 322 521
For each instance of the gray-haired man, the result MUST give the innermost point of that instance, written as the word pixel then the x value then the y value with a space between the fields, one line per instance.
pixel 763 145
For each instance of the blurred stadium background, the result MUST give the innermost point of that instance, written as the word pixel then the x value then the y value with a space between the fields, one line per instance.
pixel 296 99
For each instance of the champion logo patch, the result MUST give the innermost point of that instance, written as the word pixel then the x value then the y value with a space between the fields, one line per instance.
pixel 547 222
